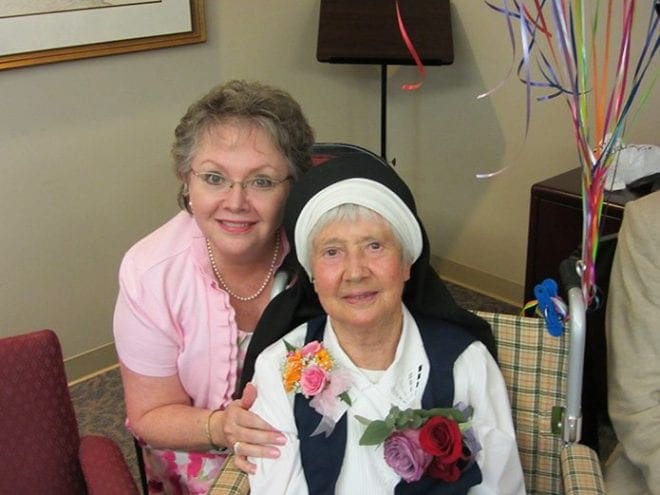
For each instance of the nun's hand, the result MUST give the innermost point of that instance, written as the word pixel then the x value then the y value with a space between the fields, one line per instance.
pixel 248 434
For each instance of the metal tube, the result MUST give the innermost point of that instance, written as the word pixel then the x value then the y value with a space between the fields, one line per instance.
pixel 573 415
pixel 383 111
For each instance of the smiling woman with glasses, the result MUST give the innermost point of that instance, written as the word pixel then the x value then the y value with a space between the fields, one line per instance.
pixel 192 291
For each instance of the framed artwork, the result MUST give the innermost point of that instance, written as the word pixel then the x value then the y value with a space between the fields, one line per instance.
pixel 48 31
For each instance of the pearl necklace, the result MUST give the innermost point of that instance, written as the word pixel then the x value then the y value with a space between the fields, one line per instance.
pixel 271 270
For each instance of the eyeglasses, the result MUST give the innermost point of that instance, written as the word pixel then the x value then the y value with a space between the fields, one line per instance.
pixel 258 184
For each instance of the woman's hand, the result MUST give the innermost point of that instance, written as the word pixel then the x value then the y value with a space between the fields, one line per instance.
pixel 247 431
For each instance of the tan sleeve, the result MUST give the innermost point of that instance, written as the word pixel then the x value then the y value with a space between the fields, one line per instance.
pixel 633 337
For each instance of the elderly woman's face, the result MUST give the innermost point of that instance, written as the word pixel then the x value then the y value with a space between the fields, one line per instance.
pixel 240 221
pixel 359 273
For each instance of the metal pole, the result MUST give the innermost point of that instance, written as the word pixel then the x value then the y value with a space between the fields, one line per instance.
pixel 383 111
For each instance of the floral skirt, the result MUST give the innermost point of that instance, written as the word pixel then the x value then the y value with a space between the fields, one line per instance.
pixel 176 472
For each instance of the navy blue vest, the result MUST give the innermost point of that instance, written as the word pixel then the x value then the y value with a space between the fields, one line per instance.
pixel 322 457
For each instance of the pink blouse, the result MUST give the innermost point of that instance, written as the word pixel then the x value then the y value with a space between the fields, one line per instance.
pixel 172 318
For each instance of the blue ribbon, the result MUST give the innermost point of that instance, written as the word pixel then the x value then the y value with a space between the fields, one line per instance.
pixel 544 293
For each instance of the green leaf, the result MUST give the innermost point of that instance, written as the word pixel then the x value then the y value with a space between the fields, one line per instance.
pixel 393 416
pixel 289 347
pixel 362 420
pixel 346 398
pixel 465 426
pixel 375 433
pixel 417 422
pixel 404 418
pixel 447 412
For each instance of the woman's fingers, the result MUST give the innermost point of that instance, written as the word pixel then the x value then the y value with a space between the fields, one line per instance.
pixel 267 440
pixel 255 436
pixel 256 449
pixel 238 418
pixel 249 396
pixel 243 464
pixel 250 435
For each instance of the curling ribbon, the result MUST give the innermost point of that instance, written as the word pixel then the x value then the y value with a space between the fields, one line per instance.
pixel 599 86
pixel 413 53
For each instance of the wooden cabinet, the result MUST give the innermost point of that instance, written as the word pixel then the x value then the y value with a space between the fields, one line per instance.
pixel 555 224
pixel 555 232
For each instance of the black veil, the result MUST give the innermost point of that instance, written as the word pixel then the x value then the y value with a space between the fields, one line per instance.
pixel 424 293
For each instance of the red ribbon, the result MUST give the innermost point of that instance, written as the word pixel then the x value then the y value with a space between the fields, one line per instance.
pixel 413 53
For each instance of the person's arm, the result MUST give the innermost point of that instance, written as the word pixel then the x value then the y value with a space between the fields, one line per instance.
pixel 159 410
pixel 283 475
pixel 480 384
pixel 633 338
pixel 160 413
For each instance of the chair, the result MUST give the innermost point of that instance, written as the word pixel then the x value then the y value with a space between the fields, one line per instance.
pixel 534 365
pixel 41 450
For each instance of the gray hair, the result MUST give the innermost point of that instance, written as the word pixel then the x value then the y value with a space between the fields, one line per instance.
pixel 244 103
pixel 351 212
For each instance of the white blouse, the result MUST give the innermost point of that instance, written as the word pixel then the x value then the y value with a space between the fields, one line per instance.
pixel 477 382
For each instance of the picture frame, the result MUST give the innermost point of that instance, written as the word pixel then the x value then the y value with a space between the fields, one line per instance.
pixel 130 26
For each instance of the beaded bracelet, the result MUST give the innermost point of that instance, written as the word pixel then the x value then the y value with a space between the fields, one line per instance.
pixel 208 430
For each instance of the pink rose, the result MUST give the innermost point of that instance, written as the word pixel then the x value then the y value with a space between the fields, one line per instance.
pixel 311 348
pixel 404 454
pixel 313 380
pixel 327 402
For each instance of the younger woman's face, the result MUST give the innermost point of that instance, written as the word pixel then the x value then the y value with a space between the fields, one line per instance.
pixel 239 221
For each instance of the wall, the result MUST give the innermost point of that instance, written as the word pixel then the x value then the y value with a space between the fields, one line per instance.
pixel 84 152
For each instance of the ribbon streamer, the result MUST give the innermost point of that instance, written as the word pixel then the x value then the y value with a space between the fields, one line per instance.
pixel 413 53
pixel 563 39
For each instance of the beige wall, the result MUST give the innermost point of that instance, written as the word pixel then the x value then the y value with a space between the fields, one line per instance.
pixel 84 151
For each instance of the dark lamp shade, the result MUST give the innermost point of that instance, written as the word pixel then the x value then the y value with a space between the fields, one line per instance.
pixel 367 32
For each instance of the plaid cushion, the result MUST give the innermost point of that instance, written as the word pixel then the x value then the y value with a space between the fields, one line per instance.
pixel 231 481
pixel 534 367
pixel 579 463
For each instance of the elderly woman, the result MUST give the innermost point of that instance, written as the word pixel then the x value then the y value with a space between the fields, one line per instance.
pixel 376 359
pixel 192 291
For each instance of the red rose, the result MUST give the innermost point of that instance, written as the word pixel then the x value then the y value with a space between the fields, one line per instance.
pixel 441 437
pixel 440 470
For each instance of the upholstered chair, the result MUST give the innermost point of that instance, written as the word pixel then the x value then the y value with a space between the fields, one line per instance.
pixel 41 450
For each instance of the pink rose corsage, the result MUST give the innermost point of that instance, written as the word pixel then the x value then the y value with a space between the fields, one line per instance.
pixel 310 370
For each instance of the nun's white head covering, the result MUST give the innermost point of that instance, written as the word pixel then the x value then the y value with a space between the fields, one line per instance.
pixel 342 180
pixel 363 192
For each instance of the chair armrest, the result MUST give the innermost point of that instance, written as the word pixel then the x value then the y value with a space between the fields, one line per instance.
pixel 104 467
pixel 231 480
pixel 580 471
